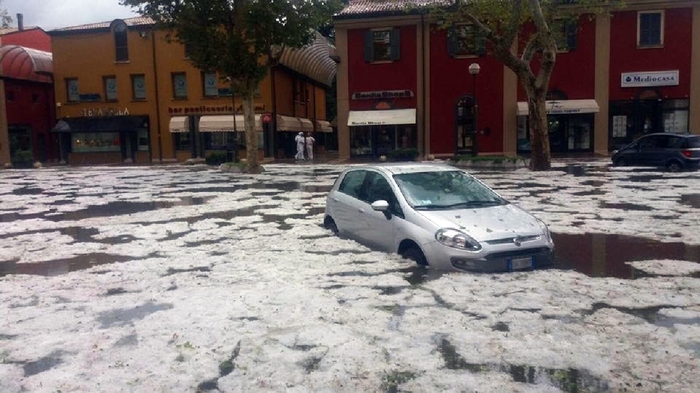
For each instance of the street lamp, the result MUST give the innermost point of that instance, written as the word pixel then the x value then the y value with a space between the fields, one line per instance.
pixel 474 69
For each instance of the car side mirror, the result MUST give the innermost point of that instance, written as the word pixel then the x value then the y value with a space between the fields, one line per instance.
pixel 381 206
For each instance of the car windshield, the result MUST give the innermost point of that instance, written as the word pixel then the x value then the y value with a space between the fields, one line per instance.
pixel 445 190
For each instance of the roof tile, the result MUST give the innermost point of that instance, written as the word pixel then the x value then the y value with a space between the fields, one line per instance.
pixel 136 21
pixel 358 8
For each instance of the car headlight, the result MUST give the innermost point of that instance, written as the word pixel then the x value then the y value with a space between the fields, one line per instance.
pixel 457 239
pixel 545 230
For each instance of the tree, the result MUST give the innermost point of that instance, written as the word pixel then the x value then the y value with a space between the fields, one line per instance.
pixel 239 39
pixel 534 28
pixel 5 18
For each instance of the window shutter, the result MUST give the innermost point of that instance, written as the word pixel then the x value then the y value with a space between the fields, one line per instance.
pixel 395 44
pixel 369 53
pixel 480 42
pixel 655 28
pixel 451 42
pixel 571 35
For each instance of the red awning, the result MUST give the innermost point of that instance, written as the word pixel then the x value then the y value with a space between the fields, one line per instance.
pixel 18 62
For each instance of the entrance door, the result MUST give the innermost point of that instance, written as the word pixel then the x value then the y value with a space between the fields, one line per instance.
pixel 556 126
pixel 465 126
pixel 385 140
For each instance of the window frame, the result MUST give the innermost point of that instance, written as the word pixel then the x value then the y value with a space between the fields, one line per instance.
pixel 457 41
pixel 662 18
pixel 204 84
pixel 121 42
pixel 393 45
pixel 68 82
pixel 105 81
pixel 173 78
pixel 134 97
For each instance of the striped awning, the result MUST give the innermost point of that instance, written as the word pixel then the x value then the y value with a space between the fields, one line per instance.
pixel 288 123
pixel 323 126
pixel 306 124
pixel 179 124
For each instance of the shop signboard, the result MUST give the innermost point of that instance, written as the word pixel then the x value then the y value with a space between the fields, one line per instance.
pixel 650 78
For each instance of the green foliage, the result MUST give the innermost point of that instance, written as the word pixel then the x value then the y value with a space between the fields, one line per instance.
pixel 391 381
pixel 216 158
pixel 23 159
pixel 404 154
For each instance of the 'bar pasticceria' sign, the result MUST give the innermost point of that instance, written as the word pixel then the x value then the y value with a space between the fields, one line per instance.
pixel 209 109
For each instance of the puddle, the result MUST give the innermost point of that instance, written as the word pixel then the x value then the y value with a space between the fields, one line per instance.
pixel 691 199
pixel 604 255
pixel 625 206
pixel 644 178
pixel 27 191
pixel 569 380
pixel 65 265
pixel 589 193
pixel 594 183
pixel 651 314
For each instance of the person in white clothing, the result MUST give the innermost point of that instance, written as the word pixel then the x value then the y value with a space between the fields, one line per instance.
pixel 299 139
pixel 309 146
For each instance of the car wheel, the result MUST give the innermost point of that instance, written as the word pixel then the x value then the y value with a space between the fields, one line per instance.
pixel 330 225
pixel 674 166
pixel 415 254
pixel 620 162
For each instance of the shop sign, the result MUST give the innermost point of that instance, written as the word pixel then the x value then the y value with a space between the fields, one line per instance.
pixel 651 78
pixel 375 95
pixel 208 109
pixel 96 112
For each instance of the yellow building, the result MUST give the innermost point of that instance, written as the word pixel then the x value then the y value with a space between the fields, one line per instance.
pixel 125 94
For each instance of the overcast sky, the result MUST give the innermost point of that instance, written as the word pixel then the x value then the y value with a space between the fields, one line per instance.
pixel 53 14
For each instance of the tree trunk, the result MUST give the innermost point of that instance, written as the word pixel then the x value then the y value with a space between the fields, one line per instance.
pixel 540 156
pixel 251 134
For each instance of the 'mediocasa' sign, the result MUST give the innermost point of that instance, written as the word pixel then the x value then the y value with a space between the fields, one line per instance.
pixel 651 78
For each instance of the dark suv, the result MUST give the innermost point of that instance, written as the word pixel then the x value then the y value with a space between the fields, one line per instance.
pixel 674 152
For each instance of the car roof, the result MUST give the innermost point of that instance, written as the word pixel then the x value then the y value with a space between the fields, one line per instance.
pixel 671 134
pixel 408 167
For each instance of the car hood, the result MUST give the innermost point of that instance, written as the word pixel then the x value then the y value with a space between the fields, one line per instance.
pixel 486 223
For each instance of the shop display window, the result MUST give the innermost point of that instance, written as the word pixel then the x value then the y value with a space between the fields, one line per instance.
pixel 360 141
pixel 143 139
pixel 95 142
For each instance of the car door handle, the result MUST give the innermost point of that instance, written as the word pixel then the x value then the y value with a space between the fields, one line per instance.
pixel 335 199
pixel 361 211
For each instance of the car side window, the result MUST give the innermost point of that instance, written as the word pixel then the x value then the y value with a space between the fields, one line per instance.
pixel 675 142
pixel 647 143
pixel 378 189
pixel 352 183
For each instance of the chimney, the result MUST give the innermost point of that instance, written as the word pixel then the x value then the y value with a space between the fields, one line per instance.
pixel 20 22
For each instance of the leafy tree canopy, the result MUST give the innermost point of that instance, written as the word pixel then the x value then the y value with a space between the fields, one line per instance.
pixel 5 18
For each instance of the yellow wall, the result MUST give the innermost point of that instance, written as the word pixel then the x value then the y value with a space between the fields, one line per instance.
pixel 88 56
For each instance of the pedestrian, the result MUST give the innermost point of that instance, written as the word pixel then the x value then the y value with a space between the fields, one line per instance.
pixel 310 146
pixel 299 139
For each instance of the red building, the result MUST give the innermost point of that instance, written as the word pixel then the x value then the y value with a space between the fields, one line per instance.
pixel 404 81
pixel 27 108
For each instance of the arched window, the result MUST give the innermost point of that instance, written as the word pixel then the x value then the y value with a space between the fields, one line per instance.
pixel 121 42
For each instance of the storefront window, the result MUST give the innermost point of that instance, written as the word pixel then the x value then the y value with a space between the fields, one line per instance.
pixel 183 141
pixel 675 116
pixel 360 141
pixel 407 137
pixel 217 140
pixel 567 133
pixel 95 142
pixel 143 139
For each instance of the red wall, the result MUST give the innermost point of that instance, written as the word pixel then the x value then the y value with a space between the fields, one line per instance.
pixel 449 80
pixel 396 75
pixel 675 54
pixel 31 38
pixel 574 71
pixel 22 111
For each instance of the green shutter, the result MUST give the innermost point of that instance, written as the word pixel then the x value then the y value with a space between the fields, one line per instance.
pixel 395 44
pixel 451 42
pixel 369 52
pixel 571 35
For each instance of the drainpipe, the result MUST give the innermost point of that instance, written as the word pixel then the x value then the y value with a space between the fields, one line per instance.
pixel 155 77
pixel 422 47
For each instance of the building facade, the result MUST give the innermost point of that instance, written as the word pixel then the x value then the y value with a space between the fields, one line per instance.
pixel 124 93
pixel 404 82
pixel 27 110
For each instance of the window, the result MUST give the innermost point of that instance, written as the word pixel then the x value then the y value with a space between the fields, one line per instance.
pixel 210 84
pixel 179 85
pixel 352 183
pixel 72 92
pixel 650 29
pixel 566 34
pixel 183 141
pixel 465 40
pixel 382 45
pixel 138 87
pixel 121 42
pixel 110 85
pixel 300 95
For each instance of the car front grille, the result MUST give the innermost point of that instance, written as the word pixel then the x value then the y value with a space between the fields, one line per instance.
pixel 518 253
pixel 511 240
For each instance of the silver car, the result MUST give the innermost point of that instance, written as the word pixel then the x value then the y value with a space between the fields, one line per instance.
pixel 436 215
